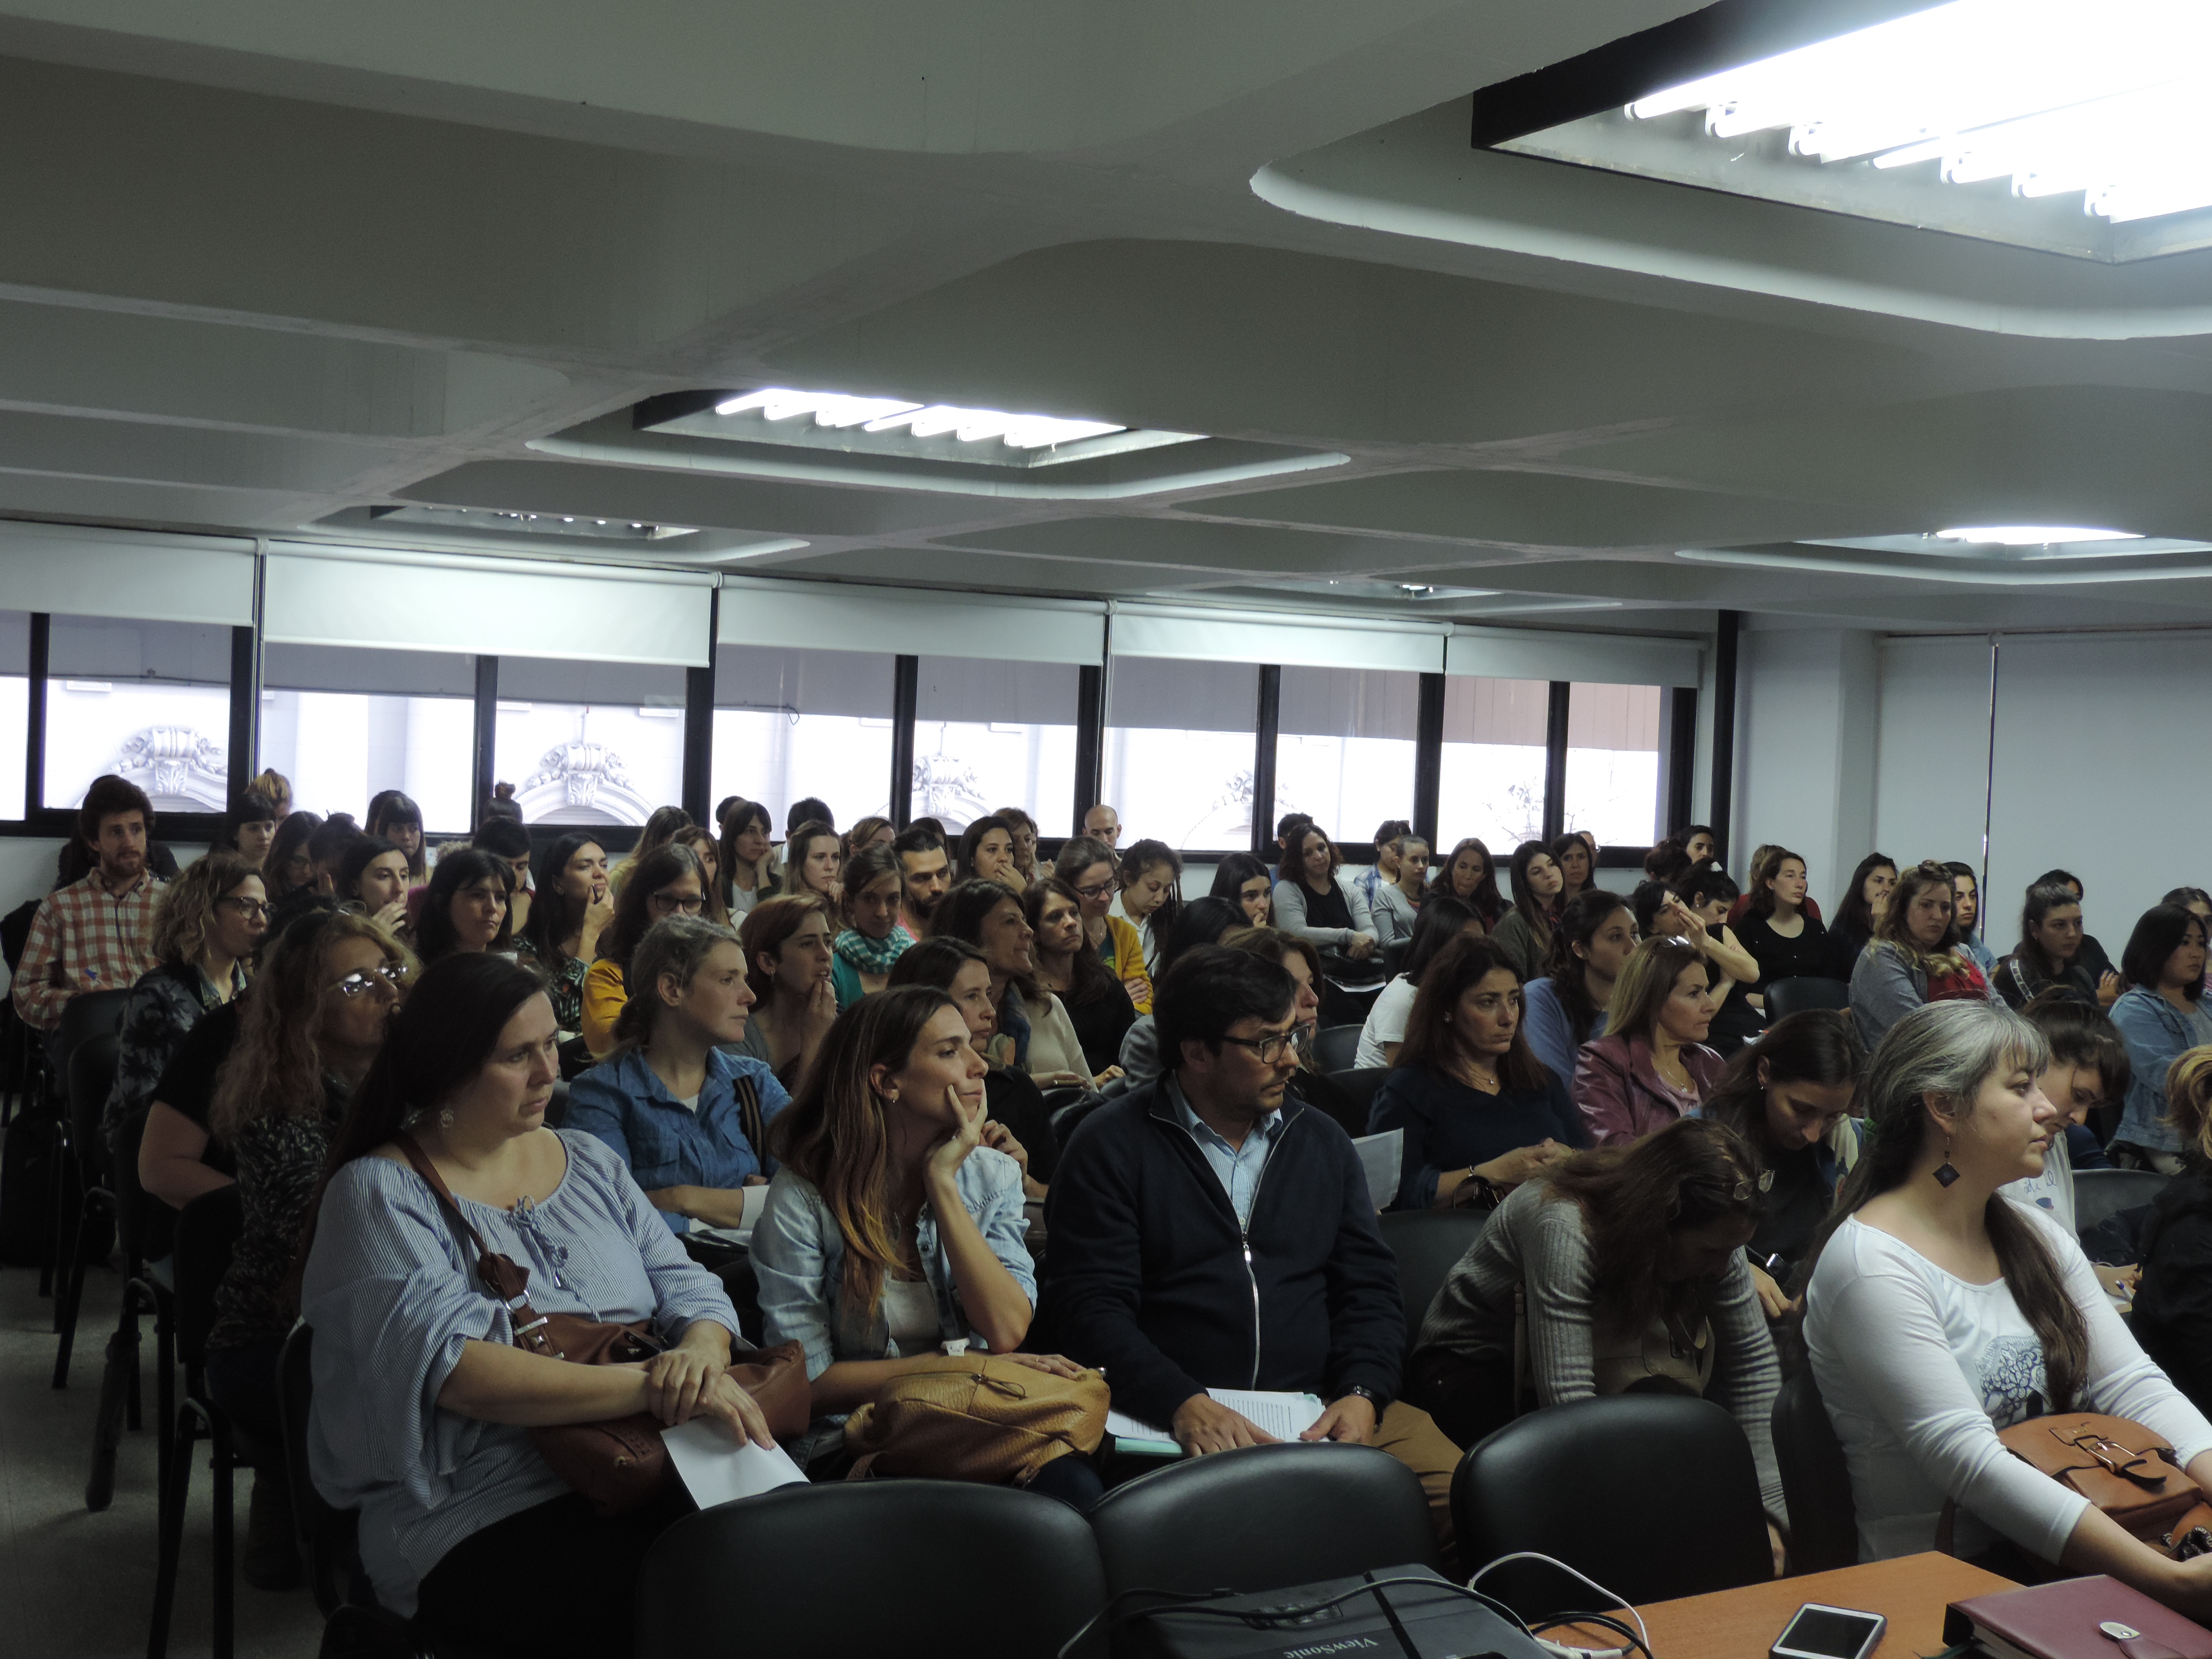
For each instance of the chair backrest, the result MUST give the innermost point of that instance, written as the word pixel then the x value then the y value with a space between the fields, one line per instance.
pixel 1336 1047
pixel 1824 1528
pixel 1428 1244
pixel 1655 1496
pixel 1361 1085
pixel 2101 1194
pixel 91 1076
pixel 1330 1512
pixel 326 1534
pixel 1785 996
pixel 15 932
pixel 207 1231
pixel 86 1012
pixel 1068 1118
pixel 145 1225
pixel 1393 957
pixel 556 1109
pixel 830 1571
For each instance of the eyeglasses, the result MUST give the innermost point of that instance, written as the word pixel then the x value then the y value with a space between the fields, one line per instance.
pixel 385 973
pixel 1097 890
pixel 1272 1046
pixel 690 904
pixel 251 909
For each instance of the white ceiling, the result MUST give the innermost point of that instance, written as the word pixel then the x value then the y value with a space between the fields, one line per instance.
pixel 266 268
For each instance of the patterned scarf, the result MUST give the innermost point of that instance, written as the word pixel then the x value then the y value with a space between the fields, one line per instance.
pixel 871 956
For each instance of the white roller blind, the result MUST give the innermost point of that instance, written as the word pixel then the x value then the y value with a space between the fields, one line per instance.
pixel 488 607
pixel 1531 654
pixel 1194 633
pixel 911 622
pixel 73 571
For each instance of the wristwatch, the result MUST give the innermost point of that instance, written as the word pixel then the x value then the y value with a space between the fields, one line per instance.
pixel 1367 1394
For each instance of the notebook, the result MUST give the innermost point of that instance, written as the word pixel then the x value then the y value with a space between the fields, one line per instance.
pixel 2095 1618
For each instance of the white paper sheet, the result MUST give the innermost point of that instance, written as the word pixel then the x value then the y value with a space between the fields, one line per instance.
pixel 718 1467
pixel 756 1201
pixel 1286 1416
pixel 1380 1156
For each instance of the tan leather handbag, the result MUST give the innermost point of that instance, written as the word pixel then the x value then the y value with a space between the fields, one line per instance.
pixel 622 1464
pixel 975 1417
pixel 2118 1464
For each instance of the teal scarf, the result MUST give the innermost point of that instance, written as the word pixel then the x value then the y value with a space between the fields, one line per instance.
pixel 871 956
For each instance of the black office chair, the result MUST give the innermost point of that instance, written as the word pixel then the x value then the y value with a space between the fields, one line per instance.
pixel 1331 1512
pixel 1336 1047
pixel 89 1227
pixel 1785 996
pixel 1393 957
pixel 787 1558
pixel 2101 1194
pixel 147 1230
pixel 1824 1528
pixel 86 1014
pixel 207 1232
pixel 1680 1513
pixel 1428 1244
pixel 1069 1107
pixel 556 1109
pixel 1361 1085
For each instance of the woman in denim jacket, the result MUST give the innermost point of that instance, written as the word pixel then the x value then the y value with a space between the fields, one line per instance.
pixel 891 1230
pixel 2161 1015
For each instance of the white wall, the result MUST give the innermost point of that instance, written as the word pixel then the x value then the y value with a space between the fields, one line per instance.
pixel 1807 709
pixel 1931 777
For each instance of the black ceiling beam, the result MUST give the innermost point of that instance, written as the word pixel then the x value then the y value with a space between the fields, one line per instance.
pixel 1722 36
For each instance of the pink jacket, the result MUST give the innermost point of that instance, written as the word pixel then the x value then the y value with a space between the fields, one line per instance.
pixel 1621 1096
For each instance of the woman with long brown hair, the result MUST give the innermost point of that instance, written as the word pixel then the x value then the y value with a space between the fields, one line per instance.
pixel 1631 1262
pixel 891 1229
pixel 1651 1066
pixel 1068 965
pixel 669 881
pixel 1939 1312
pixel 1470 875
pixel 1914 957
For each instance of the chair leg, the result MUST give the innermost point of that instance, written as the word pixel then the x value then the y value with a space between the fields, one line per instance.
pixel 165 1390
pixel 91 1209
pixel 50 1250
pixel 225 1541
pixel 118 1381
pixel 169 1545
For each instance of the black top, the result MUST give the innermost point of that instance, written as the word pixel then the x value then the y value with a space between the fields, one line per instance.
pixel 1100 1026
pixel 1328 909
pixel 2092 956
pixel 2018 982
pixel 1450 1124
pixel 1804 956
pixel 1845 944
pixel 2172 1316
pixel 1792 1206
pixel 1012 1098
pixel 187 1082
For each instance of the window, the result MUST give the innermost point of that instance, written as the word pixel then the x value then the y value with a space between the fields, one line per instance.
pixel 991 734
pixel 346 725
pixel 1612 764
pixel 589 742
pixel 1492 784
pixel 1178 754
pixel 1344 747
pixel 15 708
pixel 149 700
pixel 791 724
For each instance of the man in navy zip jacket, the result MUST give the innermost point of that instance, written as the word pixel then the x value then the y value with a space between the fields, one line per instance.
pixel 1206 1232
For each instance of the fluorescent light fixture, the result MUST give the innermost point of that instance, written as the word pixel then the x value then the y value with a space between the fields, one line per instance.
pixel 1964 572
pixel 2104 98
pixel 2034 535
pixel 834 410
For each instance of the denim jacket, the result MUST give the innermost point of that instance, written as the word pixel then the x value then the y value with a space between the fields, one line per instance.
pixel 623 1101
pixel 799 1259
pixel 2156 1033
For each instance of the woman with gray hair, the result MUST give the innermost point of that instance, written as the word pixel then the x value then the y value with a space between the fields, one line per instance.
pixel 1940 1313
pixel 687 1117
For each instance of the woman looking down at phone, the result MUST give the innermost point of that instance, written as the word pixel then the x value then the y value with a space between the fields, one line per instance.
pixel 1939 1312
pixel 891 1228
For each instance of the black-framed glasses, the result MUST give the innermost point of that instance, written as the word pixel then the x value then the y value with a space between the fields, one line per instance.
pixel 385 973
pixel 1272 1046
pixel 689 904
pixel 1096 889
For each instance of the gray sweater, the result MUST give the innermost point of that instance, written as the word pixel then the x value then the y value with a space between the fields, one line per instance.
pixel 1291 915
pixel 1534 1241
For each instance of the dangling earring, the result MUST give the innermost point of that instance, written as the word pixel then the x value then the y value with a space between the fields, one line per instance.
pixel 1945 1175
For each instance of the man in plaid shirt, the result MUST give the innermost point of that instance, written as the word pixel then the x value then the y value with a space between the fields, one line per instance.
pixel 94 934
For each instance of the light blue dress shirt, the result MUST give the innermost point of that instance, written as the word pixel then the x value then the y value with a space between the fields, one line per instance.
pixel 1238 1169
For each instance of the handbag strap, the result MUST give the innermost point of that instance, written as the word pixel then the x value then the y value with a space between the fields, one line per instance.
pixel 750 1119
pixel 503 1275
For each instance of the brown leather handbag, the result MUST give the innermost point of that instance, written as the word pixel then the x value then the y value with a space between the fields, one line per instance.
pixel 622 1464
pixel 2118 1464
pixel 975 1417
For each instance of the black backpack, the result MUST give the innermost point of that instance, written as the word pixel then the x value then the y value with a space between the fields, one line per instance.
pixel 27 1188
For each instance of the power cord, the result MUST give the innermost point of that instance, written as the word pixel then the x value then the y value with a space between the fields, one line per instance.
pixel 1640 1640
pixel 1189 1602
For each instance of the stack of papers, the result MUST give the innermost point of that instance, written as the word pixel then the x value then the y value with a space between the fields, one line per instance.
pixel 718 1467
pixel 742 1234
pixel 1380 1156
pixel 1286 1416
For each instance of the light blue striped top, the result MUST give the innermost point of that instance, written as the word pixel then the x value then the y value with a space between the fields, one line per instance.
pixel 391 1294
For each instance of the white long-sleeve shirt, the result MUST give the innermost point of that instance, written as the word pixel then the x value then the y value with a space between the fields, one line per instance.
pixel 1920 1369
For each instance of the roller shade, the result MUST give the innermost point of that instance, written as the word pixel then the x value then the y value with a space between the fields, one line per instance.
pixel 73 571
pixel 1194 633
pixel 488 607
pixel 913 622
pixel 1529 654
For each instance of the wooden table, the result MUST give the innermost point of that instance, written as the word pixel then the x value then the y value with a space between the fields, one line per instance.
pixel 1912 1592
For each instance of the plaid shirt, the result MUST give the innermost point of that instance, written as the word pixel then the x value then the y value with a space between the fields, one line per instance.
pixel 85 939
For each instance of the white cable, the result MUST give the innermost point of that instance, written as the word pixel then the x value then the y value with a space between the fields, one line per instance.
pixel 1610 1600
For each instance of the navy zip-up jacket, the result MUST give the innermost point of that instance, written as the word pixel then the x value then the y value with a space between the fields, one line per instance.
pixel 1146 1273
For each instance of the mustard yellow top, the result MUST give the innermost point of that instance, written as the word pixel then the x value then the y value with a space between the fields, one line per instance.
pixel 1123 950
pixel 604 994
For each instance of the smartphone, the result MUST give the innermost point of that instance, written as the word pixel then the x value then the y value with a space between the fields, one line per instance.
pixel 1819 1632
